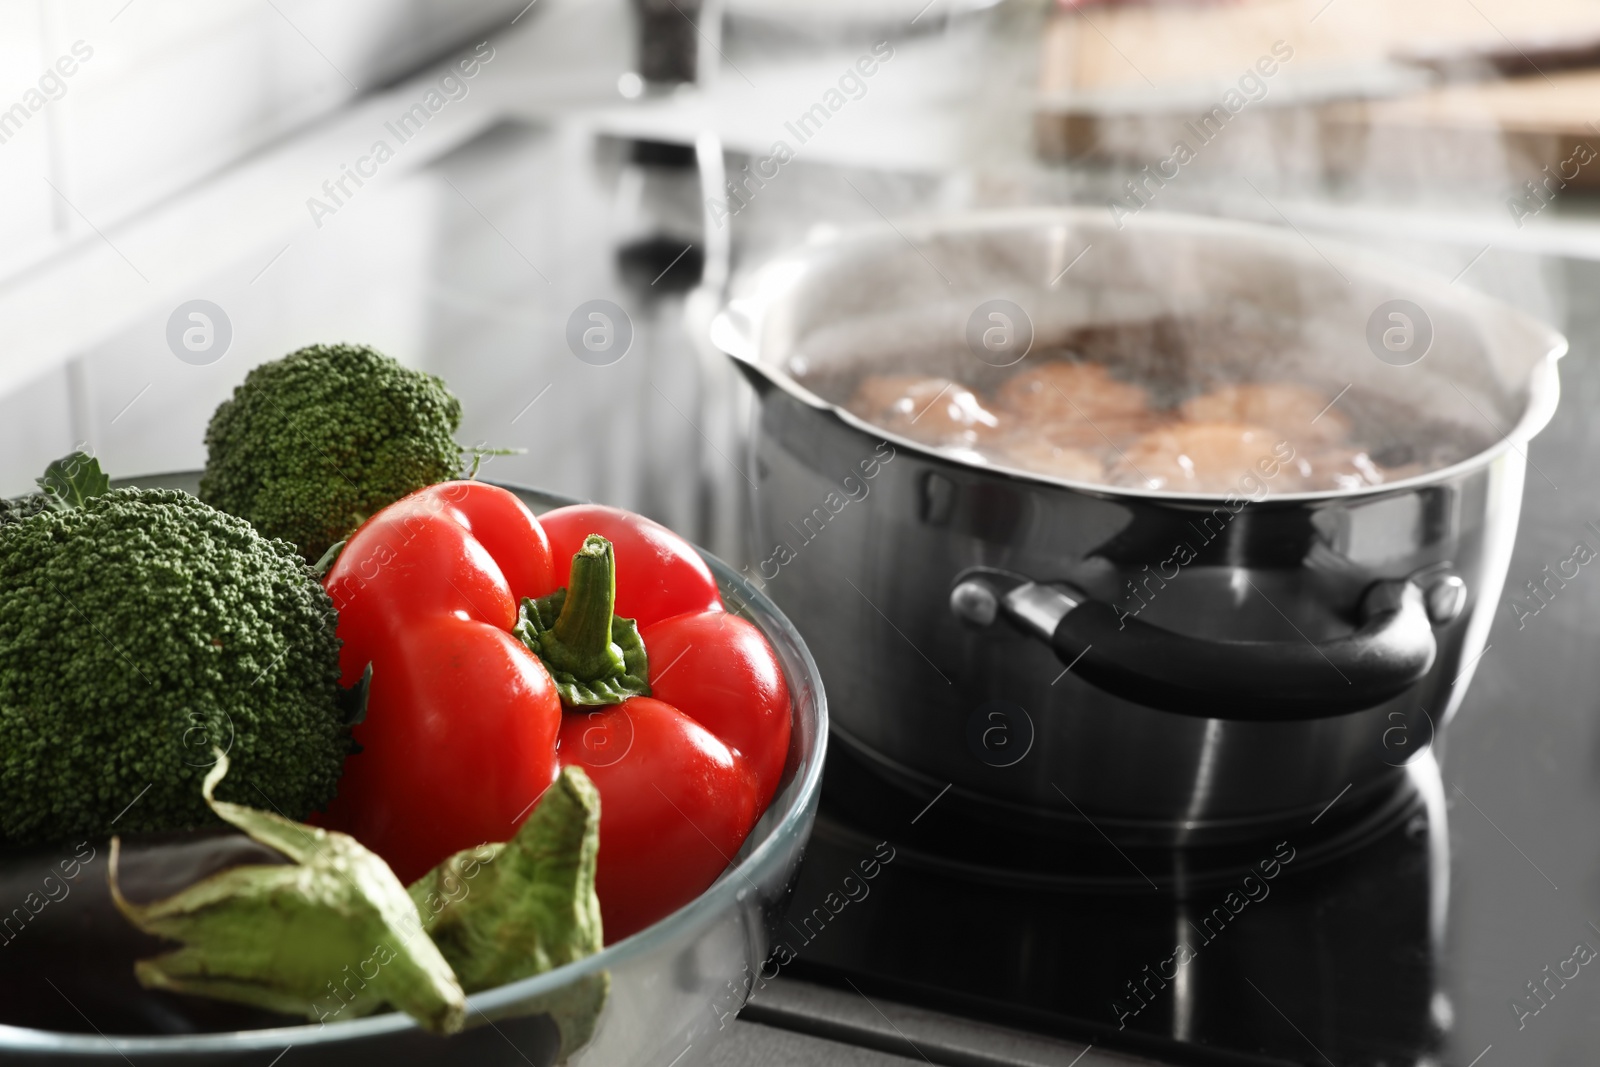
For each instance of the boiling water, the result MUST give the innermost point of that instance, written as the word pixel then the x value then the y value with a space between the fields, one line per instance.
pixel 1184 405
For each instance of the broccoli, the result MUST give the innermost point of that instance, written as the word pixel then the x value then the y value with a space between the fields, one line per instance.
pixel 21 507
pixel 312 444
pixel 139 630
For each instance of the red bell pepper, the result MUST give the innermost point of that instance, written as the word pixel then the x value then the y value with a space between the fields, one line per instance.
pixel 679 712
pixel 460 733
pixel 683 773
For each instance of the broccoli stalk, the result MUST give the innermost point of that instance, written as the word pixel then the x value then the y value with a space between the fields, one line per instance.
pixel 311 445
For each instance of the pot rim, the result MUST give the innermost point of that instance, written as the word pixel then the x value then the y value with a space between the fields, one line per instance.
pixel 735 331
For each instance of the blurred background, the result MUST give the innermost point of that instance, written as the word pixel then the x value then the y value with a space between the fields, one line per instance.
pixel 450 180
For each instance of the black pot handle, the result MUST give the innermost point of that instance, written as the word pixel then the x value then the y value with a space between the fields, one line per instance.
pixel 1390 651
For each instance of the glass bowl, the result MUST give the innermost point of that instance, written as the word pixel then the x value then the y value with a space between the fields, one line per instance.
pixel 674 986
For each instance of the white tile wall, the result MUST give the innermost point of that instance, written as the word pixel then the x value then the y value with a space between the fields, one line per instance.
pixel 173 91
pixel 147 411
pixel 27 229
pixel 413 268
pixel 162 94
pixel 36 426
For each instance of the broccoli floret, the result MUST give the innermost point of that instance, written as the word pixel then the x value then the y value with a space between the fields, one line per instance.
pixel 137 631
pixel 19 508
pixel 312 444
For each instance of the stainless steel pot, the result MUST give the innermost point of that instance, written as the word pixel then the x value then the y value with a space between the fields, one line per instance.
pixel 962 614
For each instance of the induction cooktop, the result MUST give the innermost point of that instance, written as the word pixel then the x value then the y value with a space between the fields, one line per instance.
pixel 1320 947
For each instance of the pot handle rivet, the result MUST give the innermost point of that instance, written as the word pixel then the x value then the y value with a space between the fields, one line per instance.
pixel 1445 596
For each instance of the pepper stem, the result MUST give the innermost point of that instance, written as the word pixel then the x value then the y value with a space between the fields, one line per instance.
pixel 582 632
pixel 594 657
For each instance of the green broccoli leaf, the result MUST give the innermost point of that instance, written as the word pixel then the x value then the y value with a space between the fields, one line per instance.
pixel 72 480
pixel 501 912
pixel 331 931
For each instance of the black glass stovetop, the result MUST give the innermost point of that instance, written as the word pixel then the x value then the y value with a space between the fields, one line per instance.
pixel 1317 948
pixel 1453 924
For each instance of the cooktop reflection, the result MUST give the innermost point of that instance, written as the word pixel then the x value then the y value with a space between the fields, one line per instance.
pixel 1320 948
